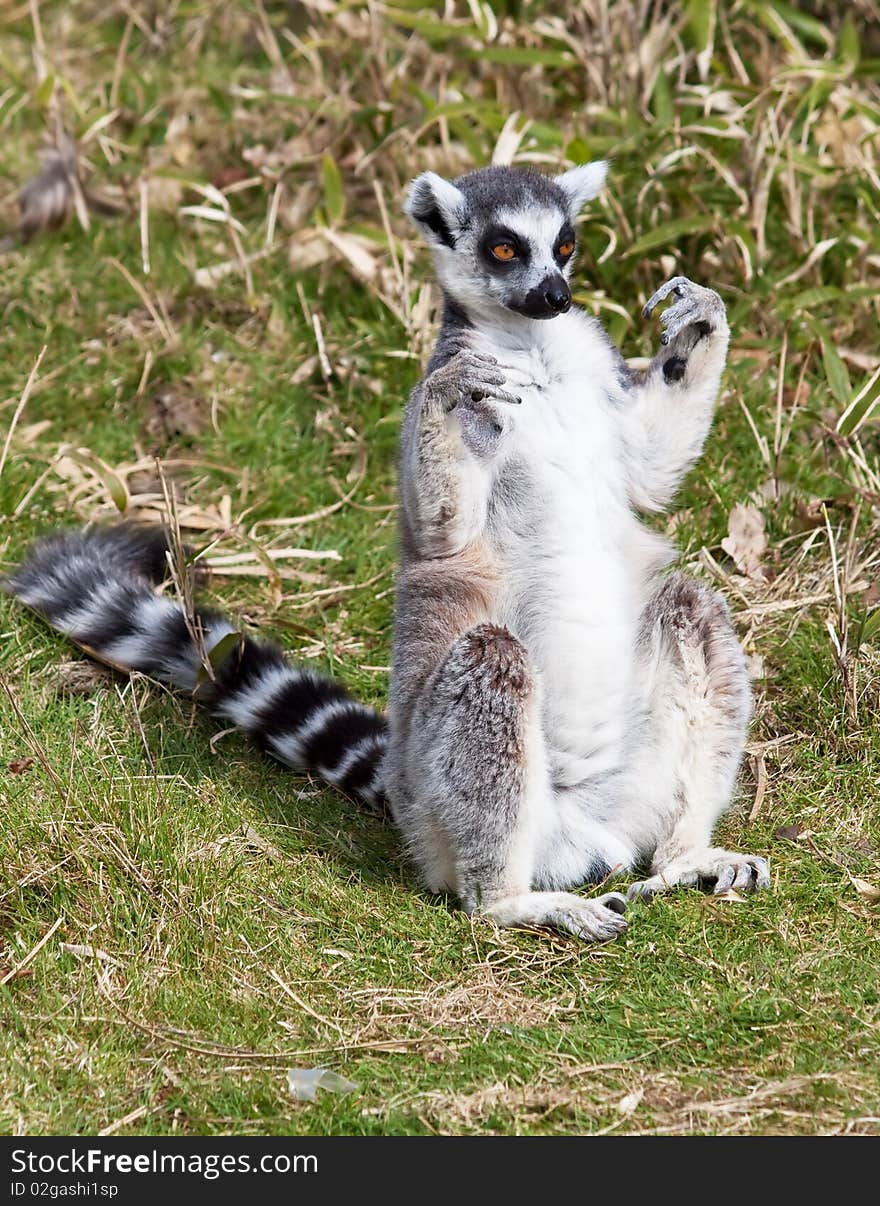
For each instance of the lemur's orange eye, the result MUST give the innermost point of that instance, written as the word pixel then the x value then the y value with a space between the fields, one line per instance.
pixel 503 251
pixel 565 249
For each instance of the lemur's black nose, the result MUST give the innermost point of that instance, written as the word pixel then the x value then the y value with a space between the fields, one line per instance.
pixel 558 297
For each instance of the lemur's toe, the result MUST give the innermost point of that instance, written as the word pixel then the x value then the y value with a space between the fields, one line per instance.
pixel 745 879
pixel 642 890
pixel 759 877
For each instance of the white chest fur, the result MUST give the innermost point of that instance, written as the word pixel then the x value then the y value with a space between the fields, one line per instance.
pixel 566 541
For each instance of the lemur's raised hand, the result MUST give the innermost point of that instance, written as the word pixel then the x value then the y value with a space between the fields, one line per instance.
pixel 561 709
pixel 672 404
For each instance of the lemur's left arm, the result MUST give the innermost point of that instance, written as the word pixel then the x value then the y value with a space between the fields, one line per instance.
pixel 671 406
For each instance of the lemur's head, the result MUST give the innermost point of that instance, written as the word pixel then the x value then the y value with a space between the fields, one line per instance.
pixel 504 237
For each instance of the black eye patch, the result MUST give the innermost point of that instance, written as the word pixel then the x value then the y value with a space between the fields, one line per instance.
pixel 500 236
pixel 566 236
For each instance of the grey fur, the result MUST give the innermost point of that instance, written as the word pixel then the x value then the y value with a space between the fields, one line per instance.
pixel 560 711
pixel 459 217
pixel 488 808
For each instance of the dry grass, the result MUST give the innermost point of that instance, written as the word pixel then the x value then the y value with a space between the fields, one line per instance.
pixel 212 307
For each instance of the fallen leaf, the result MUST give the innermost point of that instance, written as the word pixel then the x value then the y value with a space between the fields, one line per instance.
pixel 307 250
pixel 176 412
pixel 773 489
pixel 19 766
pixel 809 513
pixel 627 1105
pixel 85 951
pixel 746 541
pixel 305 1082
pixel 355 251
pixel 791 833
pixel 867 891
pixel 165 193
pixel 305 370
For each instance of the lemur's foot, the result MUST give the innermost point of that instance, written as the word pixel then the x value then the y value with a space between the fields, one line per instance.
pixel 696 307
pixel 722 869
pixel 597 920
pixel 469 377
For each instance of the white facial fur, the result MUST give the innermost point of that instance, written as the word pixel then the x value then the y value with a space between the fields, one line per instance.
pixel 457 219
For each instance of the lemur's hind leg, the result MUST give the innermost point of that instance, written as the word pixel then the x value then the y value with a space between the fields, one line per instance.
pixel 478 754
pixel 698 707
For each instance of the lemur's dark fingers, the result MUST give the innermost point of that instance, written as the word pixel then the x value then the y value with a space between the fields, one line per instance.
pixel 676 318
pixel 746 873
pixel 725 879
pixel 678 309
pixel 494 394
pixel 745 879
pixel 761 868
pixel 699 307
pixel 676 285
pixel 469 355
pixel 471 364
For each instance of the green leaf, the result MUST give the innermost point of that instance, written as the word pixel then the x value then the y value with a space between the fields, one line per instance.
pixel 44 93
pixel 861 405
pixel 820 294
pixel 462 130
pixel 808 27
pixel 429 27
pixel 577 151
pixel 835 370
pixel 218 654
pixel 661 100
pixel 869 628
pixel 848 41
pixel 520 56
pixel 221 102
pixel 670 232
pixel 742 233
pixel 334 193
pixel 700 29
pixel 111 480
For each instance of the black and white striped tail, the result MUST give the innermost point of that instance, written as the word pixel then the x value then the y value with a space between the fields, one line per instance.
pixel 97 588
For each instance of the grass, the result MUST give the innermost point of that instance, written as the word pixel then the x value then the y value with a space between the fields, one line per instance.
pixel 180 922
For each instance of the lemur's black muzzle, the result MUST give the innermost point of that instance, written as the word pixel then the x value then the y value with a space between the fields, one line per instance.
pixel 551 297
pixel 558 296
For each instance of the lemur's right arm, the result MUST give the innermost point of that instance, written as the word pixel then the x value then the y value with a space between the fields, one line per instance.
pixel 450 432
pixel 671 410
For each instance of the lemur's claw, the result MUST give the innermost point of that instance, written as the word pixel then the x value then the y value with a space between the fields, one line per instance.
pixel 469 377
pixel 696 306
pixel 722 870
pixel 675 284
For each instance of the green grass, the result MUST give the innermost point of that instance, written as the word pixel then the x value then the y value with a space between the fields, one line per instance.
pixel 212 920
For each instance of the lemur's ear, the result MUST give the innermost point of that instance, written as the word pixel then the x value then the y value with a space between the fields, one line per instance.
pixel 582 183
pixel 437 208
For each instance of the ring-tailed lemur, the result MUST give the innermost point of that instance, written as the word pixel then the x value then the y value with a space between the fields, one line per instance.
pixel 561 709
